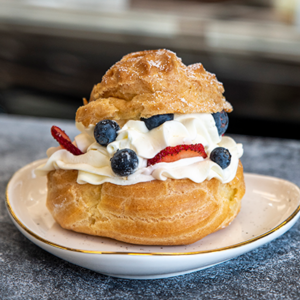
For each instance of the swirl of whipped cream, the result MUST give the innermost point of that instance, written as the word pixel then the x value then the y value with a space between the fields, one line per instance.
pixel 94 165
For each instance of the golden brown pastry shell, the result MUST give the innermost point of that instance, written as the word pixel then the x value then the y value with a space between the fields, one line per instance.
pixel 171 212
pixel 148 83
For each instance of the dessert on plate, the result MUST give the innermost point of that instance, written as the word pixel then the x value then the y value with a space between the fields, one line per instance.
pixel 151 165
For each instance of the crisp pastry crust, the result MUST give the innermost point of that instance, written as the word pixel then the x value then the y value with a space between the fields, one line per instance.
pixel 149 83
pixel 171 212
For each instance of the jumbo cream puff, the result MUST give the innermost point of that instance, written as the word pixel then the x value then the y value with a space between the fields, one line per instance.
pixel 151 165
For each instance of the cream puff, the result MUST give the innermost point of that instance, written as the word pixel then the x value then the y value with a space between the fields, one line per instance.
pixel 152 164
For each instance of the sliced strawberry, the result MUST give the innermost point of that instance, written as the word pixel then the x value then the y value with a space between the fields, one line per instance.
pixel 171 154
pixel 64 140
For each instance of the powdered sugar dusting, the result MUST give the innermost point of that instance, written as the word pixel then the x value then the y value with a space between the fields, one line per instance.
pixel 156 64
pixel 183 100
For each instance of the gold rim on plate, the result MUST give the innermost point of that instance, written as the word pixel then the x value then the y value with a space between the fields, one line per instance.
pixel 13 215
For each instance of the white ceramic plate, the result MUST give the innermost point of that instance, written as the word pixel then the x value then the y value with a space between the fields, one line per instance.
pixel 269 208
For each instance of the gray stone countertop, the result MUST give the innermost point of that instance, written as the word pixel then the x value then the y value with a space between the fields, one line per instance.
pixel 28 272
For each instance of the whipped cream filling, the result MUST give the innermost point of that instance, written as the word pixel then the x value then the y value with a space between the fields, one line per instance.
pixel 94 165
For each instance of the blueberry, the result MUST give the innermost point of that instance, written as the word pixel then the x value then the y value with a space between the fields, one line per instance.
pixel 157 120
pixel 221 156
pixel 221 119
pixel 106 132
pixel 124 162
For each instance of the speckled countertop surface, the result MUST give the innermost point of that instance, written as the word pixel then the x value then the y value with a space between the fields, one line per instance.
pixel 28 272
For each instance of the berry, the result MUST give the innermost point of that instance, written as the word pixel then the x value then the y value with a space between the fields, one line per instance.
pixel 221 156
pixel 106 132
pixel 171 154
pixel 157 120
pixel 64 140
pixel 221 119
pixel 124 162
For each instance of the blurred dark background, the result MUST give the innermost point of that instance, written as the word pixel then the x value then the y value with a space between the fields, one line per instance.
pixel 52 52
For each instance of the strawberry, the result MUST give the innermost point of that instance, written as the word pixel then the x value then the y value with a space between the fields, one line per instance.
pixel 171 154
pixel 64 140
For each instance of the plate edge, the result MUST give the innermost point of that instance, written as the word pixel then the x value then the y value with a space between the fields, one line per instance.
pixel 15 218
